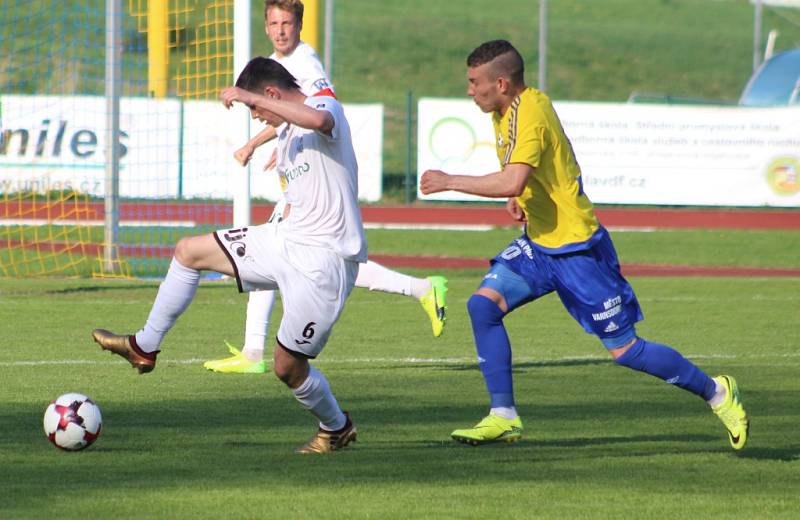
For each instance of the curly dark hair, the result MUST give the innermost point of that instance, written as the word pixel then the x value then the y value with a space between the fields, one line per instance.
pixel 505 57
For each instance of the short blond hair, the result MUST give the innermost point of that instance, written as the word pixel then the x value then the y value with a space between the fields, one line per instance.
pixel 293 6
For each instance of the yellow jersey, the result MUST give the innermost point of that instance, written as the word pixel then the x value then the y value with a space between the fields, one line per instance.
pixel 560 215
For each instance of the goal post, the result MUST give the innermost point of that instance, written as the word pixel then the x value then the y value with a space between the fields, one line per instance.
pixel 241 55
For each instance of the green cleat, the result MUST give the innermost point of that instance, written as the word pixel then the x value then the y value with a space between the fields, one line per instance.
pixel 732 414
pixel 435 303
pixel 236 364
pixel 492 428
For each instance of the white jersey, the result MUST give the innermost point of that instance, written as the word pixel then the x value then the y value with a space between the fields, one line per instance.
pixel 320 177
pixel 303 63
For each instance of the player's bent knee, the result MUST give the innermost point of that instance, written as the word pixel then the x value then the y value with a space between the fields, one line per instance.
pixel 290 367
pixel 201 252
pixel 181 252
pixel 186 252
pixel 281 373
pixel 290 375
pixel 484 310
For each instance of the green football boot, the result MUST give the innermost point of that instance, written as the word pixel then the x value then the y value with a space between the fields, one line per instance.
pixel 492 428
pixel 236 364
pixel 434 302
pixel 732 414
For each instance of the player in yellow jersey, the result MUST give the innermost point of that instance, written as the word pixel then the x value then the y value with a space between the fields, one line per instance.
pixel 564 249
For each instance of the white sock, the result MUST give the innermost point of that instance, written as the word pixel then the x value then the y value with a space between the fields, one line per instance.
pixel 375 277
pixel 315 396
pixel 506 412
pixel 719 395
pixel 259 307
pixel 174 295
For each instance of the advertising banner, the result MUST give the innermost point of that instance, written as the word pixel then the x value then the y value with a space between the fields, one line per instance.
pixel 58 142
pixel 640 154
pixel 169 149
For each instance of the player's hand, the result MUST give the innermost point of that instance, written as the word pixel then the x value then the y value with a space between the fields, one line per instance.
pixel 244 154
pixel 273 160
pixel 512 206
pixel 433 181
pixel 231 94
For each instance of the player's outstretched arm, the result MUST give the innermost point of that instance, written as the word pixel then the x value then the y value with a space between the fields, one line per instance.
pixel 509 182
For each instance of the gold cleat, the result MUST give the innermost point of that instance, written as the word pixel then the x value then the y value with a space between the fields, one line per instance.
pixel 327 442
pixel 126 347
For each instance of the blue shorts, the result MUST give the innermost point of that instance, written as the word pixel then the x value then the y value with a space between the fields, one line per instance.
pixel 589 284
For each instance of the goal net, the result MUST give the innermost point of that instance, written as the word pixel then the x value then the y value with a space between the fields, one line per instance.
pixel 175 139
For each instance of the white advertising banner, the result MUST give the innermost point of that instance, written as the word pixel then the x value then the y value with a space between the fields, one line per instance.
pixel 640 154
pixel 58 142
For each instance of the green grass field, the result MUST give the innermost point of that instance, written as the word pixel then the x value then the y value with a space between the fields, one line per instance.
pixel 600 441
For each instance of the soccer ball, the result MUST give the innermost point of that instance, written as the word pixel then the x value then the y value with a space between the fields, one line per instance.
pixel 72 422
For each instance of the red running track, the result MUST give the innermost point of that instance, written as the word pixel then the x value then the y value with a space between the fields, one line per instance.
pixel 631 218
pixel 222 215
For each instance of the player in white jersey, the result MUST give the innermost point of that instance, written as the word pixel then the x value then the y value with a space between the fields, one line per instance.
pixel 313 257
pixel 283 21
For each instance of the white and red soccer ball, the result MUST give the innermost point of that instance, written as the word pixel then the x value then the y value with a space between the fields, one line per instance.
pixel 72 422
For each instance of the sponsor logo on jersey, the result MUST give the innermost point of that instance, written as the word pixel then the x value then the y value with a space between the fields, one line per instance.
pixel 321 84
pixel 295 172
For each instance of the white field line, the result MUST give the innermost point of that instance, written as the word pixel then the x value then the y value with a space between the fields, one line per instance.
pixel 397 360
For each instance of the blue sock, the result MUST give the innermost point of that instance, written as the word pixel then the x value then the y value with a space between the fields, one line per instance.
pixel 494 349
pixel 668 364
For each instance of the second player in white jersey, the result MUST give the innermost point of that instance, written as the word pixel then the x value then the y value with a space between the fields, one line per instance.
pixel 305 66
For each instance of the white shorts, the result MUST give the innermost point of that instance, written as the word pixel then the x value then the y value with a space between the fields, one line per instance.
pixel 314 282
